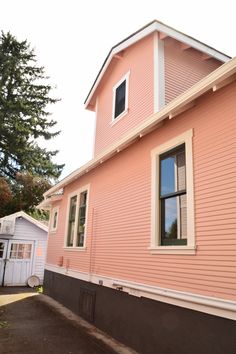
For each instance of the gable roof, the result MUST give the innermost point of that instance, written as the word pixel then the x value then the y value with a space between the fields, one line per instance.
pixel 219 78
pixel 145 31
pixel 22 214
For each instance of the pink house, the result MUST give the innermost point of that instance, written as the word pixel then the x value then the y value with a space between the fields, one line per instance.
pixel 143 237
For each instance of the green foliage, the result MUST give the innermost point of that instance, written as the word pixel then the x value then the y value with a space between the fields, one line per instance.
pixel 41 215
pixel 172 233
pixel 24 193
pixel 26 169
pixel 4 324
pixel 40 289
pixel 24 99
pixel 5 195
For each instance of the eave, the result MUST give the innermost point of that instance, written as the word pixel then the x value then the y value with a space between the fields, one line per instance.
pixel 165 31
pixel 222 76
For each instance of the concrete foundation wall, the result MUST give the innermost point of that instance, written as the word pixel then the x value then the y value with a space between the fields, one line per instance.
pixel 148 326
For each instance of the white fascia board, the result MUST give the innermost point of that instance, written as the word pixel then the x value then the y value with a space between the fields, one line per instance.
pixel 160 27
pixel 197 90
pixel 181 37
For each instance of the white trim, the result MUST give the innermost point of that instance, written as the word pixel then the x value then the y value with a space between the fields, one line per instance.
pixel 160 27
pixel 172 250
pixel 75 248
pixel 173 108
pixel 159 73
pixel 155 247
pixel 51 221
pixel 122 114
pixel 207 304
pixel 76 193
pixel 95 125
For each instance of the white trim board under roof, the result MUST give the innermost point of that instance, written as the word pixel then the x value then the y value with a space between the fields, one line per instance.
pixel 145 31
pixel 219 78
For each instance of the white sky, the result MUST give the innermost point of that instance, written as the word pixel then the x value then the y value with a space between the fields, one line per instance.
pixel 72 38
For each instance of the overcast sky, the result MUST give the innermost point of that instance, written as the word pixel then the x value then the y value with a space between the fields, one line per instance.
pixel 72 38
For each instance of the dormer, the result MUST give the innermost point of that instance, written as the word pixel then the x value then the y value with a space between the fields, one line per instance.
pixel 142 74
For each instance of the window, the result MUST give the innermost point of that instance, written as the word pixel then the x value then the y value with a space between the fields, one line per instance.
pixel 172 197
pixel 20 251
pixel 120 98
pixel 82 219
pixel 54 219
pixel 76 226
pixel 71 224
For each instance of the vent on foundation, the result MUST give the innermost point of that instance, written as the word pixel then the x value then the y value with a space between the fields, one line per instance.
pixel 87 304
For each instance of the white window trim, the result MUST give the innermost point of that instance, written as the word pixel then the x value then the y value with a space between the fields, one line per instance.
pixel 71 195
pixel 155 247
pixel 126 79
pixel 54 210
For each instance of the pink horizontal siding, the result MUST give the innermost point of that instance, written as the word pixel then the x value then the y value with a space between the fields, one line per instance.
pixel 120 207
pixel 183 68
pixel 138 59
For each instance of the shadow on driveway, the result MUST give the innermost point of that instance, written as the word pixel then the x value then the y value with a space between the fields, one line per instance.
pixel 29 326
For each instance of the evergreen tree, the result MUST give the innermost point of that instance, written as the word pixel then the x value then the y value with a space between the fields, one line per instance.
pixel 24 99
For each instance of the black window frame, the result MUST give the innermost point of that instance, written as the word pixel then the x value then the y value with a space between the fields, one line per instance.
pixel 71 219
pixel 81 234
pixel 117 109
pixel 162 198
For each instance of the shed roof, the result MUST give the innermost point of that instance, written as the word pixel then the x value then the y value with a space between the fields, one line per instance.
pixel 22 214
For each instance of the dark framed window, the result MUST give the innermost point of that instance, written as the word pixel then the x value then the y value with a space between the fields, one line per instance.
pixel 54 226
pixel 71 222
pixel 76 228
pixel 172 194
pixel 81 219
pixel 120 97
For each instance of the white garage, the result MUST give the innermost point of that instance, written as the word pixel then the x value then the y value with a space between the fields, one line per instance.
pixel 23 242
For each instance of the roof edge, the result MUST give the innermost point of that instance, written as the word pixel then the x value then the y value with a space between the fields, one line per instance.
pixel 145 31
pixel 29 218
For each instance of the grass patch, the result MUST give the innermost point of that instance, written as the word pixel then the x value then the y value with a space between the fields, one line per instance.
pixel 4 324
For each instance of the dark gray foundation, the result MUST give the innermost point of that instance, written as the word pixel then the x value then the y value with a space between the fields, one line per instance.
pixel 148 326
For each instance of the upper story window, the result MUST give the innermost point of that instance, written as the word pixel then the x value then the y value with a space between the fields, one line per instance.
pixel 120 98
pixel 172 197
pixel 77 217
pixel 54 219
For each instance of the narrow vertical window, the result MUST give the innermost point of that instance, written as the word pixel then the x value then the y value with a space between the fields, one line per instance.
pixel 54 219
pixel 120 99
pixel 54 225
pixel 81 219
pixel 173 197
pixel 71 224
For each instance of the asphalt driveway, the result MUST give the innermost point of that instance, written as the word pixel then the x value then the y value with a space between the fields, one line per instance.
pixel 29 325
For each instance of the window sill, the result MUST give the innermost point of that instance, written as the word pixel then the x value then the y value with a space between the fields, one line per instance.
pixel 75 249
pixel 117 119
pixel 173 250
